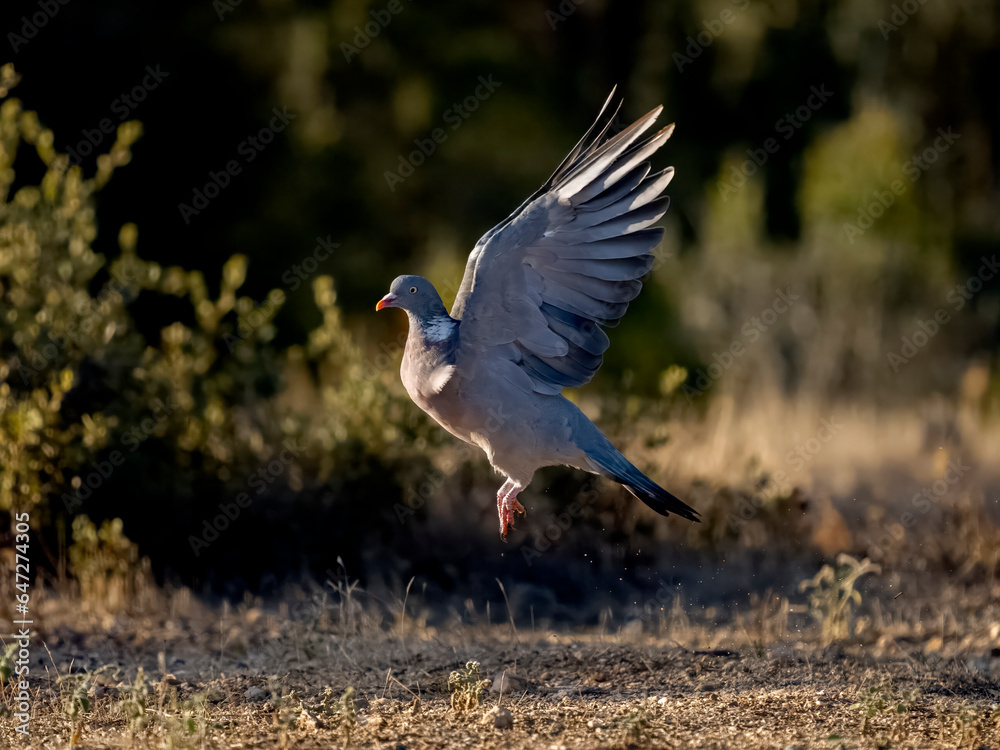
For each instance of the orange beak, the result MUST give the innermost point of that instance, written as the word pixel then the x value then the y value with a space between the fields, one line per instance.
pixel 386 301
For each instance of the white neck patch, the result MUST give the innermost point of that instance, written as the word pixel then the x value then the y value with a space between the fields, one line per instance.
pixel 438 329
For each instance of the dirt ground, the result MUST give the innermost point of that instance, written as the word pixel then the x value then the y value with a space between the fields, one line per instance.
pixel 625 634
pixel 330 675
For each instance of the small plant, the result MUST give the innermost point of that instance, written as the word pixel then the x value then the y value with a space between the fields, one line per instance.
pixel 348 714
pixel 341 711
pixel 74 692
pixel 832 595
pixel 466 687
pixel 186 723
pixel 962 728
pixel 882 699
pixel 7 665
pixel 349 611
pixel 133 703
pixel 106 563
pixel 7 662
pixel 636 724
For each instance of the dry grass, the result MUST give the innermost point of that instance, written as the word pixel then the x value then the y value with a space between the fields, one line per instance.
pixel 187 675
pixel 907 655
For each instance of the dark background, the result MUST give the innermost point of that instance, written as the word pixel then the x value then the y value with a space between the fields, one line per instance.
pixel 324 175
pixel 893 86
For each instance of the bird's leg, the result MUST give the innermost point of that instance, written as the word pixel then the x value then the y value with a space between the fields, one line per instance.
pixel 501 498
pixel 507 505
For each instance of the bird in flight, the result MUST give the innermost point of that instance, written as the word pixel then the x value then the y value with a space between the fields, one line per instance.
pixel 539 290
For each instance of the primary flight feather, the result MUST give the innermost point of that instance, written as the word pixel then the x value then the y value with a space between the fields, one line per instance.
pixel 539 290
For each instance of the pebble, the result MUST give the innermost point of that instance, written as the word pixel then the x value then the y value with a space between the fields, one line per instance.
pixel 501 717
pixel 255 694
pixel 508 682
pixel 309 721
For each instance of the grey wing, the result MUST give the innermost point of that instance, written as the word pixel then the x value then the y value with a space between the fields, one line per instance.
pixel 540 287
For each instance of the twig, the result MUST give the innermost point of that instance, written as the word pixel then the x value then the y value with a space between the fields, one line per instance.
pixel 510 613
pixel 402 622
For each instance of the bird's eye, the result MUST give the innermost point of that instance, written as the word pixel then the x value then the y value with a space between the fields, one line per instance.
pixel 413 290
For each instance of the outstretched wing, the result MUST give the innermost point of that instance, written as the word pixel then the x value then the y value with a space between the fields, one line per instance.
pixel 540 287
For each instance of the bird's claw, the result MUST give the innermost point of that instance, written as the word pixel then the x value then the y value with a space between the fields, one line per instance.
pixel 508 507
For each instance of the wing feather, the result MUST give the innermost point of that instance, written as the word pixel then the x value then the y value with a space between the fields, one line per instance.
pixel 540 287
pixel 620 190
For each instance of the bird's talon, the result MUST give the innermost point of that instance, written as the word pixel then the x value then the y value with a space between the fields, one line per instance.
pixel 507 506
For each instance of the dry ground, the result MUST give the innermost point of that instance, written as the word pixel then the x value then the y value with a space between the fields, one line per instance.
pixel 733 655
pixel 257 677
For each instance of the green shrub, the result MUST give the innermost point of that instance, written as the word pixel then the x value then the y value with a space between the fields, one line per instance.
pixel 195 406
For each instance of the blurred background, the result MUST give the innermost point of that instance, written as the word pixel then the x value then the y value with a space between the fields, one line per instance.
pixel 201 206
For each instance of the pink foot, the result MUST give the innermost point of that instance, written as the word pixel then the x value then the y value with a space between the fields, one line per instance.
pixel 507 506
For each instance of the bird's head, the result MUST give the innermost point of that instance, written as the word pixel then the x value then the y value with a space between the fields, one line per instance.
pixel 414 294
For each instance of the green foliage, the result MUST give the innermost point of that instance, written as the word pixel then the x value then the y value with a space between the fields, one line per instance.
pixel 341 711
pixel 963 727
pixel 50 321
pixel 105 563
pixel 832 595
pixel 57 334
pixel 883 698
pixel 348 714
pixel 80 382
pixel 187 723
pixel 7 658
pixel 636 725
pixel 134 703
pixel 74 697
pixel 466 687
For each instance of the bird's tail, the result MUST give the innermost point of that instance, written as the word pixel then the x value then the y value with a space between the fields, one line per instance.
pixel 608 462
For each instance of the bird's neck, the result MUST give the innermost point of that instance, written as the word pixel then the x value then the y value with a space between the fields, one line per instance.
pixel 434 328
